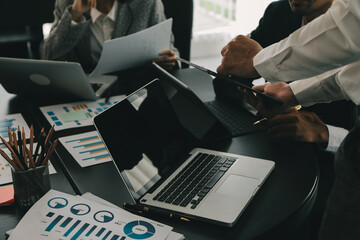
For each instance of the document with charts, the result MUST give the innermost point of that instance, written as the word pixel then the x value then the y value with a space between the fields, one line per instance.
pixel 13 121
pixel 59 215
pixel 87 148
pixel 77 114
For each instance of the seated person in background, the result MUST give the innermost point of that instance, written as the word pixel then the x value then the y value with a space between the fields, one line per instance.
pixel 280 19
pixel 81 27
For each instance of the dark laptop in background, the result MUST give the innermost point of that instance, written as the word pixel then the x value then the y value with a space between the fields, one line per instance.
pixel 153 136
pixel 56 79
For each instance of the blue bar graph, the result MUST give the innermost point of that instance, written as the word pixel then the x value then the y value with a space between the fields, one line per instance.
pixel 81 230
pixel 100 232
pixel 50 214
pixel 72 228
pixel 107 234
pixel 66 222
pixel 90 144
pixel 90 231
pixel 83 139
pixel 97 157
pixel 53 223
pixel 115 237
pixel 94 150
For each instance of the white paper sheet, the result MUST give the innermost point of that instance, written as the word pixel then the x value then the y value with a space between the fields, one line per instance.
pixel 134 50
pixel 59 215
pixel 77 114
pixel 12 121
pixel 87 148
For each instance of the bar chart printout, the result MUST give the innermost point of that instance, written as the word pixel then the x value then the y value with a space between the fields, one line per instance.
pixel 11 122
pixel 87 148
pixel 77 114
pixel 61 216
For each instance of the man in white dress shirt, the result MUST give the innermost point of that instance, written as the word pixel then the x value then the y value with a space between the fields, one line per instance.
pixel 327 43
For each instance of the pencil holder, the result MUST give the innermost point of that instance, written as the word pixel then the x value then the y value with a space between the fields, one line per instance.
pixel 30 185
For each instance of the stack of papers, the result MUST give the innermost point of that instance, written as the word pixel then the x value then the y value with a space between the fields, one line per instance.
pixel 59 215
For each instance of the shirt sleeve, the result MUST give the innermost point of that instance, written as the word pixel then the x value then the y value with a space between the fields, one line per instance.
pixel 341 83
pixel 329 41
pixel 336 136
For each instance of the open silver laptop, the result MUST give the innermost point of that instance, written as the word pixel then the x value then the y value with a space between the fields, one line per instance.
pixel 63 80
pixel 155 151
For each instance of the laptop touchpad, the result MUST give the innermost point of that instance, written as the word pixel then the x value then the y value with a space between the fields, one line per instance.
pixel 238 186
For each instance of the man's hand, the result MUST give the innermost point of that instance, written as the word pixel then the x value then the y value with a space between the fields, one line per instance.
pixel 238 57
pixel 79 7
pixel 299 126
pixel 167 59
pixel 280 91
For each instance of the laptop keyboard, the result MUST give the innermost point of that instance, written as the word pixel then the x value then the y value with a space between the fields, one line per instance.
pixel 195 181
pixel 237 122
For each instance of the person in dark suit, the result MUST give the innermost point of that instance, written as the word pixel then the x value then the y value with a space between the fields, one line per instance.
pixel 325 125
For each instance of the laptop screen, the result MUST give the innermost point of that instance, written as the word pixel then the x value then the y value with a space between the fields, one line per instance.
pixel 148 134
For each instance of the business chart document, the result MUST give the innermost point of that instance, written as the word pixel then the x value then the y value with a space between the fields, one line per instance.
pixel 13 121
pixel 134 50
pixel 59 215
pixel 77 114
pixel 87 148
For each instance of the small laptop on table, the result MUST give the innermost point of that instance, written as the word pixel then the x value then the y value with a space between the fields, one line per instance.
pixel 157 155
pixel 44 78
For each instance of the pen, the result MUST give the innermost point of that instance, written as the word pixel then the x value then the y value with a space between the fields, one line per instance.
pixel 297 107
pixel 151 211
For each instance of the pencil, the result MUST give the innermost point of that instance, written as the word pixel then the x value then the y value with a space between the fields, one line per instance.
pixel 48 137
pixel 31 140
pixel 24 147
pixel 15 141
pixel 38 144
pixel 9 134
pixel 48 154
pixel 6 157
pixel 16 152
pixel 17 160
pixel 31 160
pixel 42 144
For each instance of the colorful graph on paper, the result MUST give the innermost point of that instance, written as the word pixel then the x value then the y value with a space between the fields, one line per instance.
pixel 13 121
pixel 86 148
pixel 5 169
pixel 60 216
pixel 78 114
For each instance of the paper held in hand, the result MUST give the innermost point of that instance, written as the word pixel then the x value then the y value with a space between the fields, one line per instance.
pixel 134 50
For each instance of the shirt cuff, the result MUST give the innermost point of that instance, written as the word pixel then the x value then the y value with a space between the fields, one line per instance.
pixel 336 136
pixel 318 89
